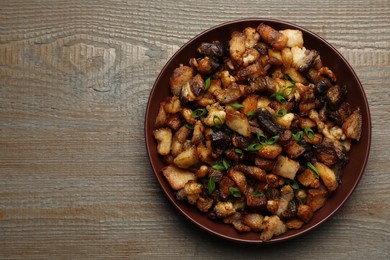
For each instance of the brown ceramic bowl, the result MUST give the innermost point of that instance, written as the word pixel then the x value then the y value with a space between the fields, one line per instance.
pixel 345 75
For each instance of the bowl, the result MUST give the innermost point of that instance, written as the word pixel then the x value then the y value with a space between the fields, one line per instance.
pixel 331 58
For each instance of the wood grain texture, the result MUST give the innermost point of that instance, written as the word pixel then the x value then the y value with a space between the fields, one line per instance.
pixel 75 76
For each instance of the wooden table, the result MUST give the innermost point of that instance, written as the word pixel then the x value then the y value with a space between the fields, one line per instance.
pixel 75 180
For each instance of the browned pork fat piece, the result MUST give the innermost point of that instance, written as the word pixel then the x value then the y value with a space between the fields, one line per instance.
pixel 336 95
pixel 251 171
pixel 180 76
pixel 352 126
pixel 205 65
pixel 276 39
pixel 237 47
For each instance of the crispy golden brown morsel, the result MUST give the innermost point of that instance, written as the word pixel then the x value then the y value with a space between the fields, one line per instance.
pixel 237 122
pixel 286 167
pixel 161 116
pixel 164 140
pixel 265 164
pixel 177 177
pixel 174 122
pixel 305 213
pixel 303 59
pixel 236 221
pixel 316 198
pixel 352 127
pixel 192 191
pixel 204 65
pixel 251 171
pixel 224 209
pixel 327 176
pixel 250 72
pixel 273 180
pixel 204 204
pixel 276 39
pixel 237 46
pixel 197 85
pixel 294 37
pixel 228 95
pixel 178 140
pixel 272 226
pixel 294 223
pixel 308 179
pixel 181 75
pixel 187 158
pixel 225 184
pixel 251 37
pixel 253 220
pixel 255 202
pixel 239 179
pixel 270 151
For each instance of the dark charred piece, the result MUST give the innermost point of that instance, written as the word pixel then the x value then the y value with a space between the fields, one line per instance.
pixel 256 203
pixel 220 141
pixel 214 49
pixel 336 95
pixel 267 122
pixel 325 154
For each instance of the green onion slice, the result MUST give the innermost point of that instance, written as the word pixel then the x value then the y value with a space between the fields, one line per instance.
pixel 222 166
pixel 298 136
pixel 188 126
pixel 217 121
pixel 260 136
pixel 235 192
pixel 314 169
pixel 199 112
pixel 254 147
pixel 207 82
pixel 258 194
pixel 250 115
pixel 309 132
pixel 236 105
pixel 272 140
pixel 293 183
pixel 238 151
pixel 280 112
pixel 211 184
pixel 279 96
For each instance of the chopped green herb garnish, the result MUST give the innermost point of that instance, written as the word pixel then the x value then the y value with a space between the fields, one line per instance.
pixel 207 82
pixel 188 126
pixel 293 183
pixel 238 151
pixel 222 166
pixel 236 105
pixel 250 115
pixel 258 194
pixel 211 184
pixel 235 192
pixel 217 121
pixel 309 132
pixel 272 140
pixel 298 135
pixel 314 169
pixel 280 112
pixel 199 112
pixel 254 147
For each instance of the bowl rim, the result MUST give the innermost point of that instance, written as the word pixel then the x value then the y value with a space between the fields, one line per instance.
pixel 304 230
